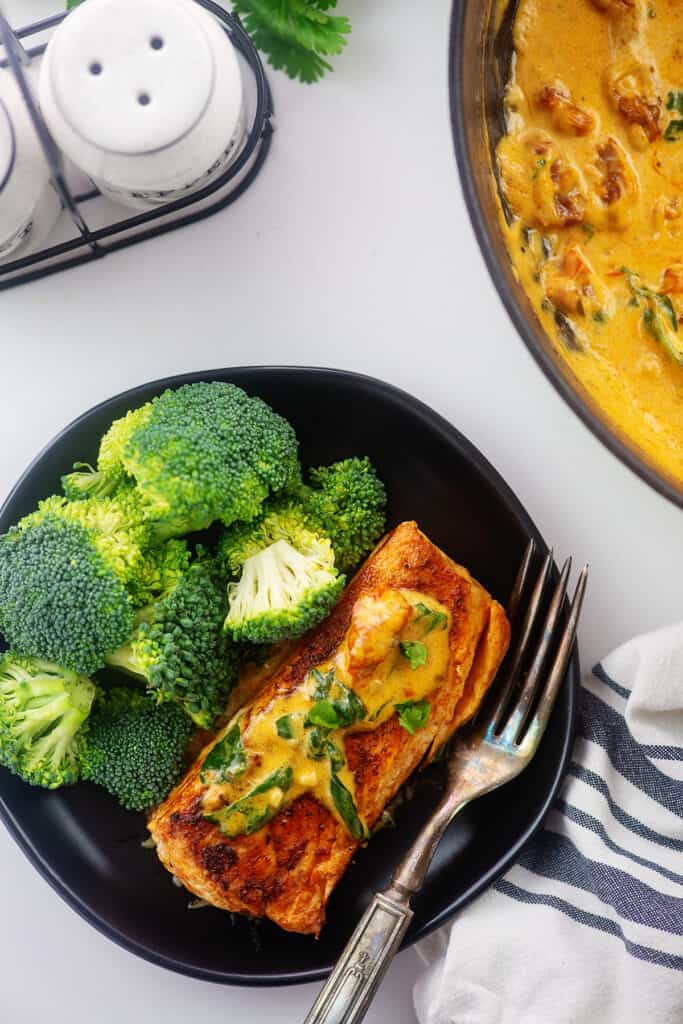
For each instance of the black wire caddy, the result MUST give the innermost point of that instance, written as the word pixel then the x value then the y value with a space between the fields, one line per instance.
pixel 99 225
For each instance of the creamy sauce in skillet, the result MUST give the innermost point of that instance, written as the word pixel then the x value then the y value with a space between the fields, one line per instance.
pixel 592 169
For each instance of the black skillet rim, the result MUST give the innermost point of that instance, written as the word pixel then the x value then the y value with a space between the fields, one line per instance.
pixel 599 428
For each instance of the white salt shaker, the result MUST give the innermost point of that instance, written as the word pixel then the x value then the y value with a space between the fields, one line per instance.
pixel 29 206
pixel 145 96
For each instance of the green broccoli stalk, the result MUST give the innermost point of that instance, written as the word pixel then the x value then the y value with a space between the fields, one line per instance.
pixel 134 747
pixel 110 475
pixel 42 711
pixel 179 649
pixel 202 453
pixel 346 502
pixel 283 590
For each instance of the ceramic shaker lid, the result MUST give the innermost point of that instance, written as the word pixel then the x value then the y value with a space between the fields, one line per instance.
pixel 131 76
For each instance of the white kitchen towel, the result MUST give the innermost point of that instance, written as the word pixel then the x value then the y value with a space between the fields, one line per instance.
pixel 587 927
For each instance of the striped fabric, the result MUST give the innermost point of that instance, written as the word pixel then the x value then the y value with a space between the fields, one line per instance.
pixel 588 925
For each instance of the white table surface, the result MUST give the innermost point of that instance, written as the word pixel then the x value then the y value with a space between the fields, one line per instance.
pixel 353 249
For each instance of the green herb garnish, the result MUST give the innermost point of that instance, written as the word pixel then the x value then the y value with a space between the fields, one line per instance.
pixel 324 715
pixel 413 714
pixel 415 652
pixel 295 35
pixel 346 806
pixel 659 315
pixel 254 810
pixel 588 230
pixel 432 617
pixel 225 761
pixel 323 682
pixel 673 130
pixel 674 101
pixel 284 727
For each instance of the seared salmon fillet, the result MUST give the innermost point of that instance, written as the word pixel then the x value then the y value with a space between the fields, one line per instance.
pixel 286 869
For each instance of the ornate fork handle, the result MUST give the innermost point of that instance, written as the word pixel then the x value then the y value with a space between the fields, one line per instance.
pixel 350 988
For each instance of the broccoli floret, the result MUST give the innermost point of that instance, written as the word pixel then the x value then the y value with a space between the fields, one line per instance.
pixel 110 475
pixel 60 599
pixel 42 710
pixel 285 588
pixel 203 453
pixel 72 573
pixel 179 647
pixel 134 747
pixel 282 519
pixel 346 502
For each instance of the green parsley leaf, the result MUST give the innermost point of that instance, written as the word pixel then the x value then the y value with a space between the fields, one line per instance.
pixel 413 714
pixel 284 727
pixel 295 35
pixel 415 652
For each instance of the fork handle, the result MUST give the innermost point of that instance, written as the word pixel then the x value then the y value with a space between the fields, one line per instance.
pixel 349 990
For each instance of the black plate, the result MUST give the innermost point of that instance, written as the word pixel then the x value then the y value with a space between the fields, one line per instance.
pixel 481 51
pixel 89 849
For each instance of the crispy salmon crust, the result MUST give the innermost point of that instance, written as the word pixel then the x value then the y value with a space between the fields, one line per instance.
pixel 287 870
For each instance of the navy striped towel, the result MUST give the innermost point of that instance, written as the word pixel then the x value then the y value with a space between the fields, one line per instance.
pixel 587 927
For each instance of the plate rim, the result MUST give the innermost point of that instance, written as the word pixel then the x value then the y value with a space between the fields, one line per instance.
pixel 572 679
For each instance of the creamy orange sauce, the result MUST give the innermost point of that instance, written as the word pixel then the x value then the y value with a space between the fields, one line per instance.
pixel 374 665
pixel 592 170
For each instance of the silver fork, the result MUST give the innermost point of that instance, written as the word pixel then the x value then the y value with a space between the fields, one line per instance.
pixel 484 757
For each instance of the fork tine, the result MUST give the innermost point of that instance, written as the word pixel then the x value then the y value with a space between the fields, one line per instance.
pixel 520 581
pixel 520 713
pixel 557 670
pixel 526 630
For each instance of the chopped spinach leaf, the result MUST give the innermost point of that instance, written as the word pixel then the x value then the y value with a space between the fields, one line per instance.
pixel 413 714
pixel 674 101
pixel 337 760
pixel 432 617
pixel 324 715
pixel 225 761
pixel 349 707
pixel 673 130
pixel 415 652
pixel 284 727
pixel 346 807
pixel 316 744
pixel 323 681
pixel 254 810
